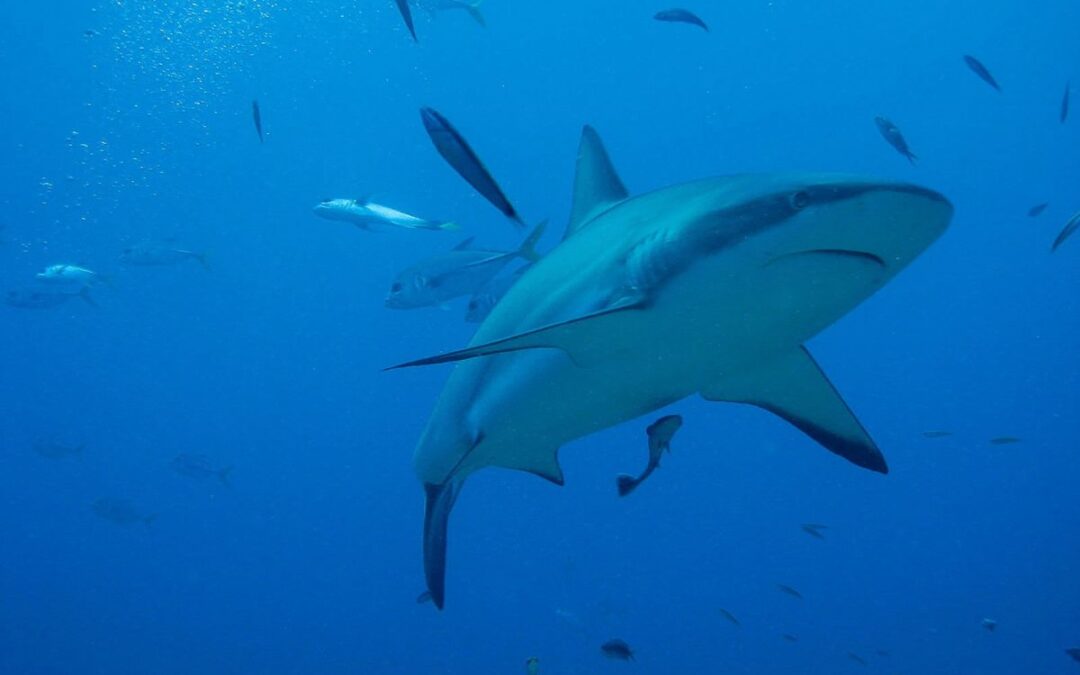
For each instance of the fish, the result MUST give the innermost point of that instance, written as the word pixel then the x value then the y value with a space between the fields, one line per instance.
pixel 159 254
pixel 470 8
pixel 710 287
pixel 784 588
pixel 989 624
pixel 423 598
pixel 53 450
pixel 457 152
pixel 532 666
pixel 681 16
pixel 121 512
pixel 199 467
pixel 367 215
pixel 32 298
pixel 617 650
pixel 1037 210
pixel 485 299
pixel 982 71
pixel 789 637
pixel 893 137
pixel 1074 652
pixel 406 15
pixel 660 434
pixel 1066 232
pixel 1065 103
pixel 814 530
pixel 461 271
pixel 1004 440
pixel 729 616
pixel 256 116
pixel 857 659
pixel 936 434
pixel 69 275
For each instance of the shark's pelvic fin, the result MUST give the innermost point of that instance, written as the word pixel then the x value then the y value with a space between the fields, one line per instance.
pixel 597 186
pixel 547 468
pixel 794 387
pixel 580 338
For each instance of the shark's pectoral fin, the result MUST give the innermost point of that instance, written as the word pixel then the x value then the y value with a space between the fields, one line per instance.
pixel 440 501
pixel 583 338
pixel 795 388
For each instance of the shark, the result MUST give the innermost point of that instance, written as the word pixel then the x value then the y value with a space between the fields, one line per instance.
pixel 708 288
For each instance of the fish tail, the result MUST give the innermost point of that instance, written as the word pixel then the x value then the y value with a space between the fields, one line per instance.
pixel 912 157
pixel 223 476
pixel 625 484
pixel 528 247
pixel 84 293
pixel 473 8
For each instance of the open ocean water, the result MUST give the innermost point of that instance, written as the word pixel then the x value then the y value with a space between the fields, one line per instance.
pixel 205 468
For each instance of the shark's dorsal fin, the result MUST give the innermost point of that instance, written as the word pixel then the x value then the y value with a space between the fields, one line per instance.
pixel 580 338
pixel 794 388
pixel 597 186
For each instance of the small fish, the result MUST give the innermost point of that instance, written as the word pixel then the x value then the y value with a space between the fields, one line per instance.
pixel 857 659
pixel 532 666
pixel 784 588
pixel 660 434
pixel 40 299
pixel 790 638
pixel 729 616
pixel 462 271
pixel 892 135
pixel 1004 440
pixel 52 450
pixel 368 215
pixel 424 597
pixel 199 467
pixel 1065 103
pixel 256 115
pixel 979 69
pixel 69 275
pixel 406 14
pixel 470 8
pixel 1074 652
pixel 1037 210
pixel 453 147
pixel 1067 231
pixel 814 530
pixel 121 512
pixel 681 16
pixel 618 650
pixel 485 299
pixel 989 624
pixel 154 254
pixel 936 434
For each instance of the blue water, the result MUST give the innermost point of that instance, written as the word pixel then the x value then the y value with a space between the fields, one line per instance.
pixel 271 361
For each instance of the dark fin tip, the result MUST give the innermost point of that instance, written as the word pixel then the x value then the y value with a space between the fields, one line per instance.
pixel 625 484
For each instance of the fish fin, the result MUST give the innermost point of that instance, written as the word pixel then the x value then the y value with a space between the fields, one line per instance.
pixel 794 388
pixel 449 226
pixel 625 484
pixel 223 476
pixel 570 336
pixel 439 503
pixel 464 245
pixel 545 465
pixel 84 294
pixel 528 247
pixel 597 186
pixel 474 11
pixel 406 15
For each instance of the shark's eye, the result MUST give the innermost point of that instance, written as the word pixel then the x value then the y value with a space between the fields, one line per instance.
pixel 395 288
pixel 800 200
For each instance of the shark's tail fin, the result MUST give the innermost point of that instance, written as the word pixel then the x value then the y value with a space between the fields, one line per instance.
pixel 625 484
pixel 223 476
pixel 528 247
pixel 473 9
pixel 440 501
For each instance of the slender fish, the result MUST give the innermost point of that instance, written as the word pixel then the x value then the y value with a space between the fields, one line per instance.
pixel 1066 231
pixel 677 15
pixel 979 69
pixel 460 156
pixel 1065 103
pixel 1036 210
pixel 406 14
pixel 891 133
pixel 256 115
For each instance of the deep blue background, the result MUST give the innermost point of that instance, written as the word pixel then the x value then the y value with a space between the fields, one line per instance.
pixel 272 360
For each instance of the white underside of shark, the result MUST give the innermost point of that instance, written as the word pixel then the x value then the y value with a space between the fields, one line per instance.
pixel 707 288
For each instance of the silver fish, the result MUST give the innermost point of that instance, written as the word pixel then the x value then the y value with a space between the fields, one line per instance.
pixel 367 215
